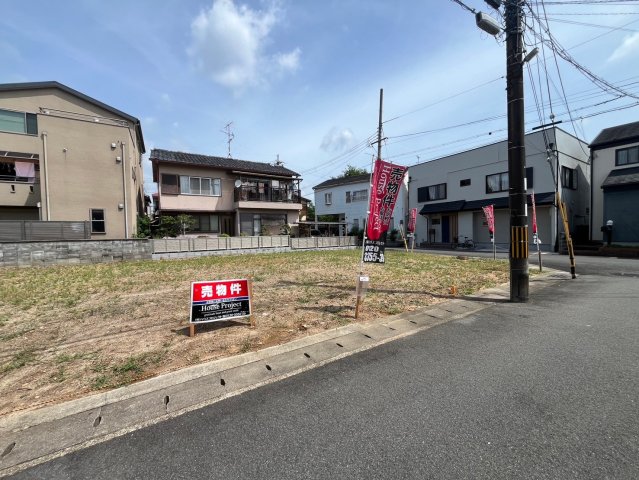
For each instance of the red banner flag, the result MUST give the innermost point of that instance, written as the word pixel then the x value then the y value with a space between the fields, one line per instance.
pixel 489 211
pixel 532 196
pixel 411 220
pixel 386 184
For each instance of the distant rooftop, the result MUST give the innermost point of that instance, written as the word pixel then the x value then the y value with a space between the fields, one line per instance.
pixel 225 163
pixel 333 182
pixel 608 137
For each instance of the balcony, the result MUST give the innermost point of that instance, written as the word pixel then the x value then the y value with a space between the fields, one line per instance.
pixel 17 193
pixel 254 194
pixel 266 198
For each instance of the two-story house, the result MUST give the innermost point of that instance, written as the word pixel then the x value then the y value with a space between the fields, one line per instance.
pixel 225 195
pixel 346 199
pixel 66 156
pixel 615 183
pixel 450 192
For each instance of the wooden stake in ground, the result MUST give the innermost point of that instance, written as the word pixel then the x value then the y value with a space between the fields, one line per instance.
pixel 401 231
pixel 250 291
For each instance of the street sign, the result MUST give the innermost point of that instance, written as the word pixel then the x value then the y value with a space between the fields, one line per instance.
pixel 219 300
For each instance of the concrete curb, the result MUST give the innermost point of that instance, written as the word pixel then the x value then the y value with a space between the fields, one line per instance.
pixel 33 437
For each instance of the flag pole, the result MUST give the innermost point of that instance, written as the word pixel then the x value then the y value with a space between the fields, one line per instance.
pixel 494 236
pixel 370 188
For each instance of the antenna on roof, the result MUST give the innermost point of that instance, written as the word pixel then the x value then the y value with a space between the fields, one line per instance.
pixel 229 135
pixel 278 162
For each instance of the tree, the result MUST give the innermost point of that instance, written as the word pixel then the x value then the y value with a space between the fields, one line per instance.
pixel 351 171
pixel 186 222
pixel 310 212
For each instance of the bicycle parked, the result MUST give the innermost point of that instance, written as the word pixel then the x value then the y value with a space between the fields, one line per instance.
pixel 467 243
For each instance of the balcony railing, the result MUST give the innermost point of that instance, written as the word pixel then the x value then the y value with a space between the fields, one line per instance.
pixel 15 179
pixel 255 194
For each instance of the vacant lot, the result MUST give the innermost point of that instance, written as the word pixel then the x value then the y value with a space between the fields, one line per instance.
pixel 69 330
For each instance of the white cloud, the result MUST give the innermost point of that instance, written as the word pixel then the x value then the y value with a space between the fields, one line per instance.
pixel 228 44
pixel 166 98
pixel 337 140
pixel 289 61
pixel 629 46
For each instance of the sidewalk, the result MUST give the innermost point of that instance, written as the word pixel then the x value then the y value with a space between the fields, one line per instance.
pixel 36 436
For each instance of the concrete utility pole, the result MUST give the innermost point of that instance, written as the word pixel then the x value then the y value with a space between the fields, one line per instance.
pixel 519 277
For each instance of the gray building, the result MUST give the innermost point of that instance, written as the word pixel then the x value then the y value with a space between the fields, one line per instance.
pixel 615 183
pixel 450 192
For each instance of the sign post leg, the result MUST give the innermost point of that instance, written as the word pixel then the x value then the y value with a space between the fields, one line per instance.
pixel 250 289
pixel 191 330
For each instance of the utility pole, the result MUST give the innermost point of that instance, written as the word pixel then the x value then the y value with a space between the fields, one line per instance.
pixel 379 129
pixel 519 277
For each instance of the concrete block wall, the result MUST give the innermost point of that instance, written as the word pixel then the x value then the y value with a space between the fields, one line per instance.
pixel 27 254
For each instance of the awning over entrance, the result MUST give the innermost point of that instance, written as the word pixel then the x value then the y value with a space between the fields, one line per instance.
pixel 443 207
pixel 621 178
pixel 546 198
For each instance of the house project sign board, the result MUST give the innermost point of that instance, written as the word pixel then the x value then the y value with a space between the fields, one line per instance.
pixel 220 300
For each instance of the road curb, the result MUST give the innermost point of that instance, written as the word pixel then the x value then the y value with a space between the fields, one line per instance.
pixel 33 437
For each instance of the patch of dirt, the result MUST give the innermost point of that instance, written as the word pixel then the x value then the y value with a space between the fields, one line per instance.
pixel 70 331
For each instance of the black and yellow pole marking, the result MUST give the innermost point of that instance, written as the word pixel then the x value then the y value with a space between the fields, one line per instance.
pixel 519 242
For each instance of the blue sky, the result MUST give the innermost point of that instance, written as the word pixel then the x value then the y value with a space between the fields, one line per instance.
pixel 301 78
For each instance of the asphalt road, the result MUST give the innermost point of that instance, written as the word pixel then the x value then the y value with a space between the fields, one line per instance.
pixel 547 389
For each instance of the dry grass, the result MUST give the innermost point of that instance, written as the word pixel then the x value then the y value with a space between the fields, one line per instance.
pixel 69 330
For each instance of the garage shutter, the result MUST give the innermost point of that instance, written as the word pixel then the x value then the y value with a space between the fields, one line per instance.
pixel 620 206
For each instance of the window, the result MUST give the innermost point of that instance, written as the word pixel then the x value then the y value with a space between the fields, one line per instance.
pixel 626 156
pixel 569 178
pixel 262 223
pixel 97 221
pixel 169 184
pixel 348 197
pixel 433 192
pixel 360 196
pixel 328 198
pixel 207 223
pixel 200 186
pixel 465 182
pixel 356 223
pixel 497 182
pixel 18 122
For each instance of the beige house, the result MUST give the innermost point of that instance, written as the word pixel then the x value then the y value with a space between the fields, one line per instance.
pixel 225 195
pixel 65 156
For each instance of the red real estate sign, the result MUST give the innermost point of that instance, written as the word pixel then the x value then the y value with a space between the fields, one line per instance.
pixel 386 184
pixel 219 300
pixel 489 211
pixel 411 220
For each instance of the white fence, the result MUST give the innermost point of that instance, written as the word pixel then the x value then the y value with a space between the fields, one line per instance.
pixel 323 242
pixel 173 245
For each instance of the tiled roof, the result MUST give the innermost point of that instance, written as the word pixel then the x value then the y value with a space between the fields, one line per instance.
pixel 622 176
pixel 334 182
pixel 628 133
pixel 220 162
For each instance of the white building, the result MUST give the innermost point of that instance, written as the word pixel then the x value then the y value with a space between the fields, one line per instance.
pixel 615 183
pixel 347 199
pixel 450 192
